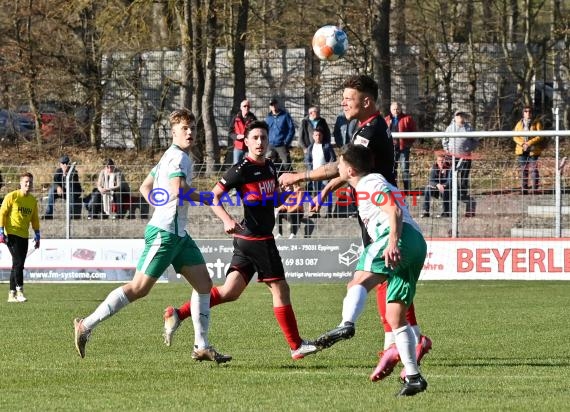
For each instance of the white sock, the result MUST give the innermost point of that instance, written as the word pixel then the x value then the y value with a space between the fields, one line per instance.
pixel 407 349
pixel 389 339
pixel 353 303
pixel 114 302
pixel 200 312
pixel 416 333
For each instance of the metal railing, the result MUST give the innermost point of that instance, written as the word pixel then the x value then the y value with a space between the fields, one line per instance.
pixel 503 211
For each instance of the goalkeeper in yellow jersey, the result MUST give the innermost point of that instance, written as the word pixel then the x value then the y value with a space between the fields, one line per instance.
pixel 19 209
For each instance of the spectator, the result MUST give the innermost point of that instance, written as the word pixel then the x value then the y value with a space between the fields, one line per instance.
pixel 108 198
pixel 318 153
pixel 343 130
pixel 438 185
pixel 292 210
pixel 461 149
pixel 401 122
pixel 57 189
pixel 237 130
pixel 309 124
pixel 281 134
pixel 528 149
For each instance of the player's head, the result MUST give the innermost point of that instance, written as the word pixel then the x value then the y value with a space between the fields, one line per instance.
pixel 359 97
pixel 26 182
pixel 355 160
pixel 364 84
pixel 181 115
pixel 183 125
pixel 256 139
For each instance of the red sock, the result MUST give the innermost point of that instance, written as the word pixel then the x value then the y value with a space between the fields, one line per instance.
pixel 381 301
pixel 184 310
pixel 288 323
pixel 411 315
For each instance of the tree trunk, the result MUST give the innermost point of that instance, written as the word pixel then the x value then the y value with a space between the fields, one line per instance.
pixel 198 75
pixel 238 47
pixel 381 52
pixel 210 132
pixel 160 32
pixel 184 17
pixel 92 72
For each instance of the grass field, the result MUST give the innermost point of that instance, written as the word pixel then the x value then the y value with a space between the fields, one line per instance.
pixel 498 345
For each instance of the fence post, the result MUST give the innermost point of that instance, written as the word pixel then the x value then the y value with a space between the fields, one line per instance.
pixel 68 201
pixel 557 184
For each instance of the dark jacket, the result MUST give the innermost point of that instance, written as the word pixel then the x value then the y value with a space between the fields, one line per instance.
pixel 343 130
pixel 74 185
pixel 440 176
pixel 307 129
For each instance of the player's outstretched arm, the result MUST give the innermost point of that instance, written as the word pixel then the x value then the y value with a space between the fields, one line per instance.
pixel 325 172
pixel 330 187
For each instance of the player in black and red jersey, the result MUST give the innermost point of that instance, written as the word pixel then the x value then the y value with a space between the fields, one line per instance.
pixel 255 180
pixel 359 102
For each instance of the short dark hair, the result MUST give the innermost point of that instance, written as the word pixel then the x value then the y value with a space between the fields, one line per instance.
pixel 27 174
pixel 256 124
pixel 358 157
pixel 363 83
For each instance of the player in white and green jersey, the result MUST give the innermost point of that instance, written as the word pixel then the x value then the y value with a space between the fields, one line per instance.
pixel 171 216
pixel 166 243
pixel 396 255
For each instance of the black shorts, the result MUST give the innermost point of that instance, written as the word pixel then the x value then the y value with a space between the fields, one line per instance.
pixel 259 256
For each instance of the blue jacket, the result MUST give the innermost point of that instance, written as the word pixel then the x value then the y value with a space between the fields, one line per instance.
pixel 281 129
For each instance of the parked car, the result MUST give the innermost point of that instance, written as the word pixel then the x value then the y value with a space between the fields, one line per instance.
pixel 58 121
pixel 14 126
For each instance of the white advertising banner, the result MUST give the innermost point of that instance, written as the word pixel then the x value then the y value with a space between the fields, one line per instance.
pixel 312 260
pixel 517 259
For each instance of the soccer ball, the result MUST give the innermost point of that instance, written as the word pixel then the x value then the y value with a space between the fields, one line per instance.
pixel 330 43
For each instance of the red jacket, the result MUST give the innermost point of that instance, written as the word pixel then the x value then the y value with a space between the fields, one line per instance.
pixel 238 127
pixel 405 124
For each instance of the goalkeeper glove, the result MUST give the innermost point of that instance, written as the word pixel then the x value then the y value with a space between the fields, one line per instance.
pixel 37 239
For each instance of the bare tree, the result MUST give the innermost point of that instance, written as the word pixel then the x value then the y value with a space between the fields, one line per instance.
pixel 560 36
pixel 381 51
pixel 240 10
pixel 522 61
pixel 184 17
pixel 463 23
pixel 212 155
pixel 160 17
pixel 27 54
